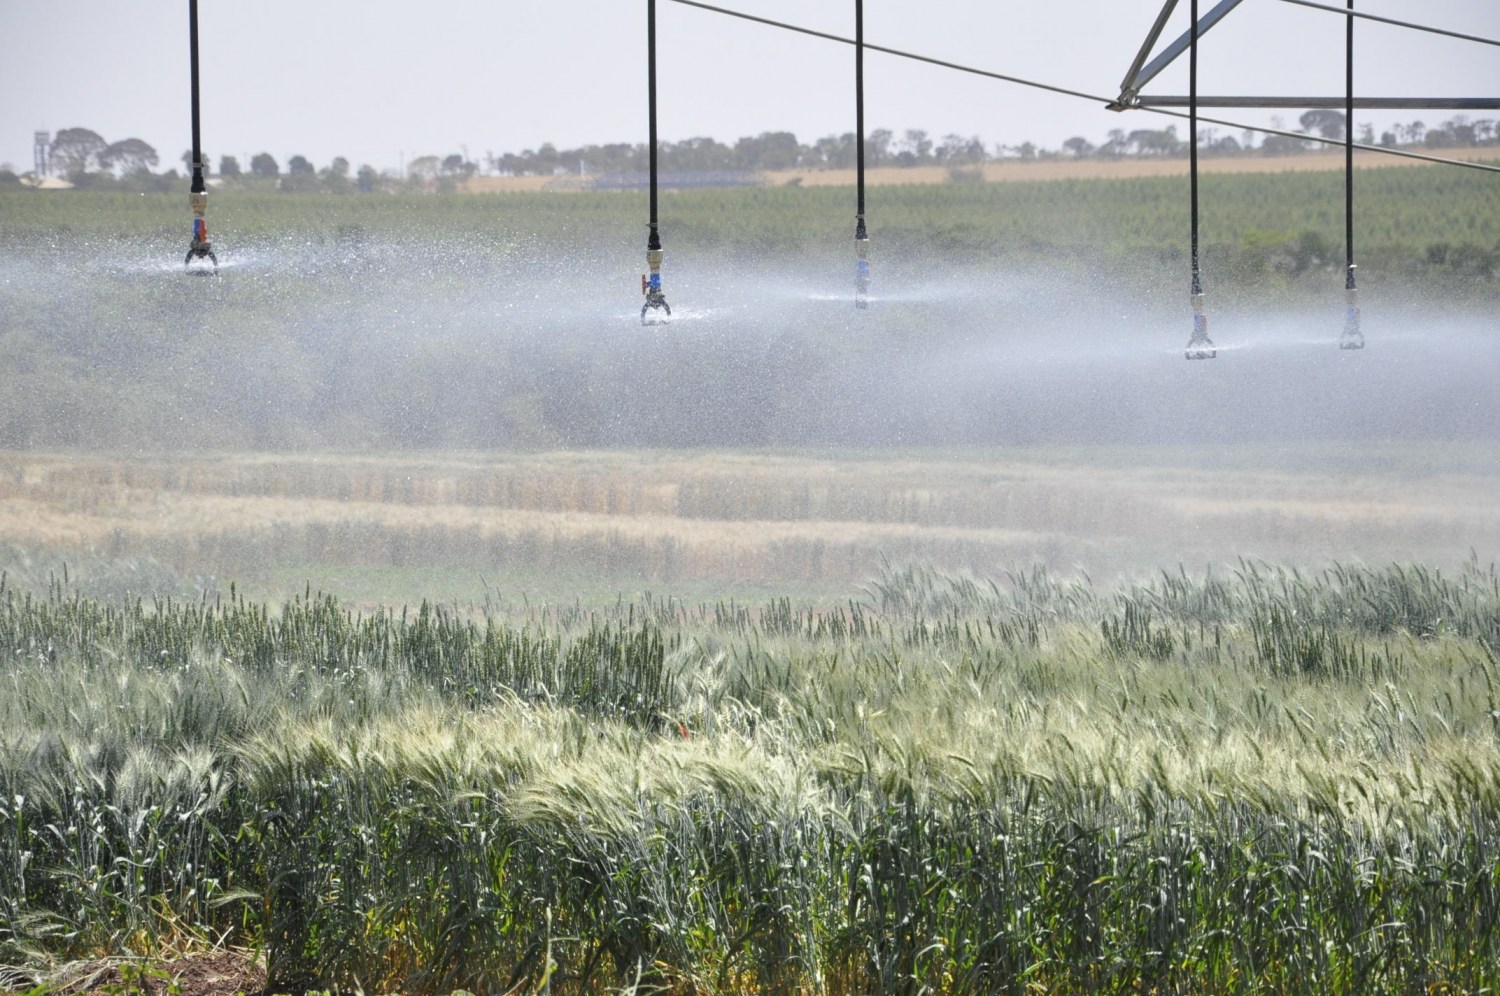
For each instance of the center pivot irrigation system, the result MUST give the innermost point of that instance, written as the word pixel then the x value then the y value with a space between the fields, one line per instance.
pixel 656 311
pixel 1200 346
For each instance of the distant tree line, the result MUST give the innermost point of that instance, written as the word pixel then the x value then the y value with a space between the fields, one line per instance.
pixel 86 160
pixel 1323 123
pixel 782 151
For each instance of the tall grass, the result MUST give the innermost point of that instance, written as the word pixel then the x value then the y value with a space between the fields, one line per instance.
pixel 1261 781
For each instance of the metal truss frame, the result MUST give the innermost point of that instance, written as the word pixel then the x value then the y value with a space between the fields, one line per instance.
pixel 1142 72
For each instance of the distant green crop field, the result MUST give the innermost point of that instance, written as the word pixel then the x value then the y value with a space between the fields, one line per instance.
pixel 1406 219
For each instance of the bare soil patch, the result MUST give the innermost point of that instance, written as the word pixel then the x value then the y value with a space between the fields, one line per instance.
pixel 1036 170
pixel 505 184
pixel 1031 171
pixel 219 973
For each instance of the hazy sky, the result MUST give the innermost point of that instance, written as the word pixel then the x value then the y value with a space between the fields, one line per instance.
pixel 379 81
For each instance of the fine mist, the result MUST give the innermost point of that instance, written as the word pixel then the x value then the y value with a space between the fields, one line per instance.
pixel 435 342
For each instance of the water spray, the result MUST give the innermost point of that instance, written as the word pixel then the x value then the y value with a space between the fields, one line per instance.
pixel 861 234
pixel 200 248
pixel 1200 346
pixel 1352 337
pixel 656 299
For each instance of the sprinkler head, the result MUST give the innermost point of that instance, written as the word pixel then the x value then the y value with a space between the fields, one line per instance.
pixel 862 274
pixel 655 303
pixel 201 251
pixel 656 299
pixel 1352 337
pixel 1200 346
pixel 200 248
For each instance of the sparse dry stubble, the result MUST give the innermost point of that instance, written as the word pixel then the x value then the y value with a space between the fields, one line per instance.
pixel 757 516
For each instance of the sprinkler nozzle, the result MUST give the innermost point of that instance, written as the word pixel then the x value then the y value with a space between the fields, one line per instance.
pixel 1200 346
pixel 1352 337
pixel 200 247
pixel 656 299
pixel 862 271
